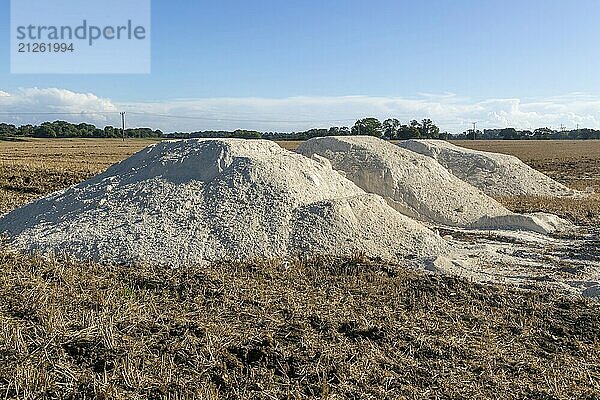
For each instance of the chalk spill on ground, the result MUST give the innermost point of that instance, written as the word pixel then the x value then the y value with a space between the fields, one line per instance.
pixel 569 263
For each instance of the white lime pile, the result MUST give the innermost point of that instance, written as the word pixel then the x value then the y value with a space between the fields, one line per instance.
pixel 420 187
pixel 495 174
pixel 191 201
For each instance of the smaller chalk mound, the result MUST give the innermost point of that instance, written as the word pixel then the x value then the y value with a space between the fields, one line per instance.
pixel 417 185
pixel 493 173
pixel 536 222
pixel 192 201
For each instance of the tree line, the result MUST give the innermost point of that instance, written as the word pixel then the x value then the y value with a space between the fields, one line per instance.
pixel 537 134
pixel 63 129
pixel 390 128
pixel 239 134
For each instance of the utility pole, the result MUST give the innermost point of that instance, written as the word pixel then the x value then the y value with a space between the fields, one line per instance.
pixel 123 124
pixel 474 130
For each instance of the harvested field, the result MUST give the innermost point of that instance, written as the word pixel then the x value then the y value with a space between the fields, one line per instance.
pixel 89 155
pixel 583 211
pixel 290 144
pixel 323 328
pixel 574 163
pixel 33 168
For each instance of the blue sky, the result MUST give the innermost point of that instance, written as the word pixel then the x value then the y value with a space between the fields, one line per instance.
pixel 453 61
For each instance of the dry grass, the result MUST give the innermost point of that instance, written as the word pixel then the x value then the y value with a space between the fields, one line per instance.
pixel 313 329
pixel 32 168
pixel 81 155
pixel 290 144
pixel 322 328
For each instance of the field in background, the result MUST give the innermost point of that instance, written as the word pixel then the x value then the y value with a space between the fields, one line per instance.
pixel 537 149
pixel 35 167
pixel 77 155
pixel 325 328
pixel 93 155
pixel 573 162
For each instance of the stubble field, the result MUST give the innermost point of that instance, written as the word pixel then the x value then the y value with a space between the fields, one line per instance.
pixel 317 328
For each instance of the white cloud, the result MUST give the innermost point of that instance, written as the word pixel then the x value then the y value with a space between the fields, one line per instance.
pixel 32 105
pixel 450 111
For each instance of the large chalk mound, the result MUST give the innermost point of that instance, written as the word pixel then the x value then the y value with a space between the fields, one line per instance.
pixel 420 187
pixel 192 201
pixel 495 174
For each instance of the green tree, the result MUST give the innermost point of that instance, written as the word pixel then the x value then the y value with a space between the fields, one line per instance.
pixel 390 128
pixel 338 131
pixel 368 126
pixel 409 132
pixel 509 134
pixel 109 132
pixel 543 133
pixel 245 134
pixel 46 130
pixel 429 130
pixel 8 130
pixel 26 130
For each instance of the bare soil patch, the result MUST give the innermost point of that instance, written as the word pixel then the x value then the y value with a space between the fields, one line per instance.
pixel 323 328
